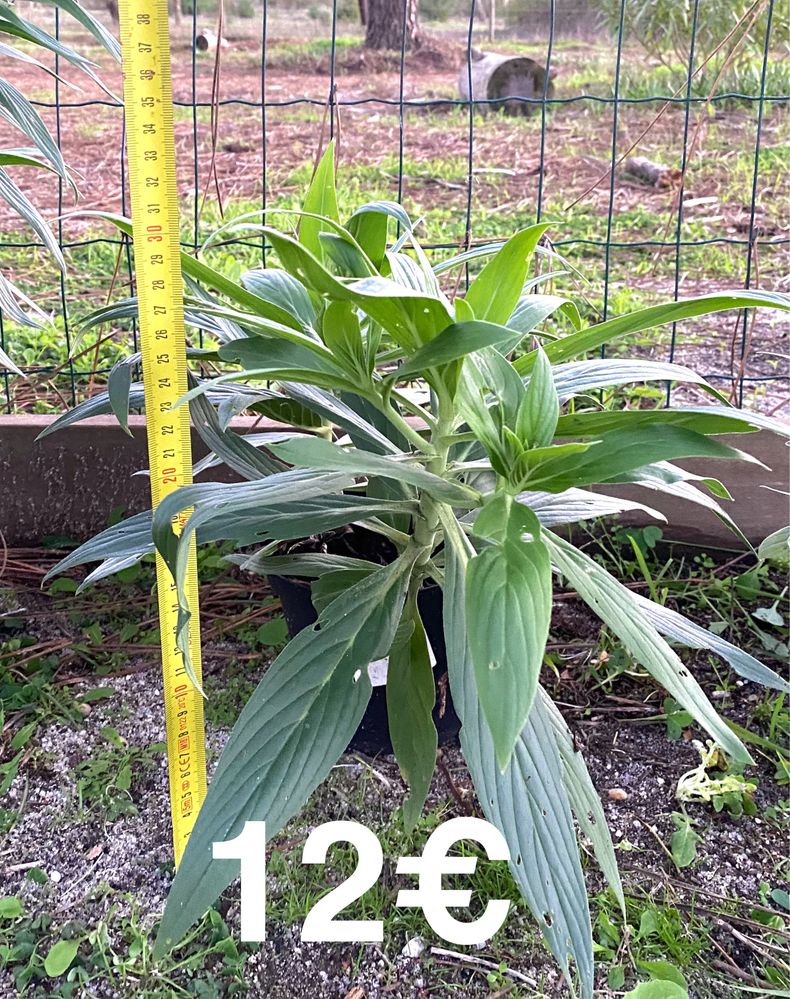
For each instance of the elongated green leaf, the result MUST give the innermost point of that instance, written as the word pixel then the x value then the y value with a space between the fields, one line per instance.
pixel 282 291
pixel 577 377
pixel 255 441
pixel 287 521
pixel 9 52
pixel 341 333
pixel 6 362
pixel 195 269
pixel 307 565
pixel 584 799
pixel 621 612
pixel 17 306
pixel 109 567
pixel 321 199
pixel 667 478
pixel 87 20
pixel 23 207
pixel 283 506
pixel 452 343
pixel 657 315
pixel 346 255
pixel 368 225
pixel 574 505
pixel 264 358
pixel 508 608
pixel 489 396
pixel 411 695
pixel 685 632
pixel 340 413
pixel 99 404
pixel 412 274
pixel 462 258
pixel 619 452
pixel 776 547
pixel 409 315
pixel 528 802
pixel 12 24
pixel 16 109
pixel 496 290
pixel 401 311
pixel 701 419
pixel 22 157
pixel 119 385
pixel 289 735
pixel 532 310
pixel 127 539
pixel 540 408
pixel 311 452
pixel 231 448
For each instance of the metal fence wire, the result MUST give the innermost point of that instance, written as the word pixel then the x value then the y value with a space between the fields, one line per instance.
pixel 661 160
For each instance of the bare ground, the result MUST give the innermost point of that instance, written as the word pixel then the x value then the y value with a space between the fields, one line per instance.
pixel 434 139
pixel 101 870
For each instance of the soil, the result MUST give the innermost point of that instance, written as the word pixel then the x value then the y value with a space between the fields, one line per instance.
pixel 96 867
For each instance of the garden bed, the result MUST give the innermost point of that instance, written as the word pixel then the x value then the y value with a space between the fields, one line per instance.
pixel 87 845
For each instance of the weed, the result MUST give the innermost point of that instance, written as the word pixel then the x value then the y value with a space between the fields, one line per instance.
pixel 47 961
pixel 713 782
pixel 105 782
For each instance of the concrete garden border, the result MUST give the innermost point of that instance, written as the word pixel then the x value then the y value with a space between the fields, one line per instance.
pixel 68 484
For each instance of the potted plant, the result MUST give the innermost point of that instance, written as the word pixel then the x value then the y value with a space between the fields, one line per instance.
pixel 460 434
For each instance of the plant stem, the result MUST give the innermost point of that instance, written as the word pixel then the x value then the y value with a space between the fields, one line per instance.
pixel 394 417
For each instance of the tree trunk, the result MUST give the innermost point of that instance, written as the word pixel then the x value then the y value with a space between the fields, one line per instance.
pixel 175 11
pixel 385 24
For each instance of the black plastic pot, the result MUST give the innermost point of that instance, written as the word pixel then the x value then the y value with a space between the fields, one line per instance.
pixel 373 736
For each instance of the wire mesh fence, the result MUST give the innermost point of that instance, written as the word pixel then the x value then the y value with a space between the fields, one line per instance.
pixel 658 151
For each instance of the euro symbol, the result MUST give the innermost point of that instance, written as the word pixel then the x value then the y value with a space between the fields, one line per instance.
pixel 435 900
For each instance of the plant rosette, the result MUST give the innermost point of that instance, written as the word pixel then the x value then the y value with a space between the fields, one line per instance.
pixel 460 432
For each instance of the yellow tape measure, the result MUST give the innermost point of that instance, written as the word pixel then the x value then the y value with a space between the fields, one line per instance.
pixel 152 182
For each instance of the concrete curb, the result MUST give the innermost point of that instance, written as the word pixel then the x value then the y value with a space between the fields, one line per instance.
pixel 68 484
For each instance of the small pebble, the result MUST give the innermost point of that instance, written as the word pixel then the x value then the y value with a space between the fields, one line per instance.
pixel 414 947
pixel 617 794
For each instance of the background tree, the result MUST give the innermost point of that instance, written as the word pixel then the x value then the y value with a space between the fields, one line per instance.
pixel 385 24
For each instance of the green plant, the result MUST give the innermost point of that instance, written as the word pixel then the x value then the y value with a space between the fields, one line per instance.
pixel 43 152
pixel 664 27
pixel 724 789
pixel 104 781
pixel 439 425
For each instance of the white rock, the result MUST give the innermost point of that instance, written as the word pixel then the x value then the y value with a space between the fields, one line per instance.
pixel 414 947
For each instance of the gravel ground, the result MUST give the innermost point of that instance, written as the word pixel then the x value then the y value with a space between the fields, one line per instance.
pixel 93 866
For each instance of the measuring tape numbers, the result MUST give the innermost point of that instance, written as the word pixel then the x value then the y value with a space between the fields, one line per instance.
pixel 152 183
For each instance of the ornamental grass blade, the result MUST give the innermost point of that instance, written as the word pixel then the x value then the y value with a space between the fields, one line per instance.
pixel 291 732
